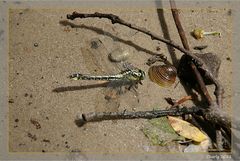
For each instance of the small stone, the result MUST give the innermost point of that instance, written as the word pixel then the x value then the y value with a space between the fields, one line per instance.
pixel 94 44
pixel 11 101
pixel 16 120
pixel 35 44
pixel 228 59
pixel 158 48
pixel 119 55
pixel 46 140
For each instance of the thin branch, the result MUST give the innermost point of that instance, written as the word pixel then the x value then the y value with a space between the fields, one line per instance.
pixel 115 19
pixel 186 46
pixel 93 116
pixel 199 62
pixel 179 25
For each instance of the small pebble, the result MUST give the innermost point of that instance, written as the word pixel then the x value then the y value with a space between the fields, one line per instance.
pixel 158 48
pixel 46 140
pixel 228 59
pixel 35 123
pixel 10 101
pixel 33 137
pixel 229 12
pixel 35 44
pixel 94 44
pixel 119 55
pixel 16 120
pixel 21 144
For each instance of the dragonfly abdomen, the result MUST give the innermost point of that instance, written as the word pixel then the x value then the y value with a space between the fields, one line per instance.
pixel 79 76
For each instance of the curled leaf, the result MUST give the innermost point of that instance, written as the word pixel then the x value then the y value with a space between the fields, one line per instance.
pixel 186 129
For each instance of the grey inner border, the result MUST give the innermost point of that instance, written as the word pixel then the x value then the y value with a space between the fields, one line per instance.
pixel 4 7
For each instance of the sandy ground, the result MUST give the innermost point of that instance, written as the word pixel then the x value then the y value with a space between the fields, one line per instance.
pixel 43 52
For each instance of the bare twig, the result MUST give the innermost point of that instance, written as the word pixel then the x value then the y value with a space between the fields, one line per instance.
pixel 93 116
pixel 199 62
pixel 115 19
pixel 186 46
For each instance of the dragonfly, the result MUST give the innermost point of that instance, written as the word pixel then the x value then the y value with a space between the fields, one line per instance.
pixel 128 75
pixel 96 60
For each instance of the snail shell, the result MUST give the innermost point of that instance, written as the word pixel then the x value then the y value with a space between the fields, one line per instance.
pixel 163 75
pixel 119 55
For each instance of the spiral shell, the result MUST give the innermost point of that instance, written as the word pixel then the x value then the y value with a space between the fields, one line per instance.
pixel 163 75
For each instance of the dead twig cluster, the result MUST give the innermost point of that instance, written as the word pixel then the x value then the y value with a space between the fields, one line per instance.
pixel 199 78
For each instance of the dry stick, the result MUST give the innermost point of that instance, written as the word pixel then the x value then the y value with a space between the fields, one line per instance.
pixel 199 62
pixel 186 46
pixel 99 116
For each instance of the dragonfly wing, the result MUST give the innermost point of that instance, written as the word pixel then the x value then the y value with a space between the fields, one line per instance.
pixel 117 93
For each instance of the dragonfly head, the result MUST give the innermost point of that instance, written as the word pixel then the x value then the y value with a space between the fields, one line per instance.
pixel 136 75
pixel 142 77
pixel 141 74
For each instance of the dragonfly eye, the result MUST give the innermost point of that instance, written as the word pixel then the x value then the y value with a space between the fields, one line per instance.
pixel 142 74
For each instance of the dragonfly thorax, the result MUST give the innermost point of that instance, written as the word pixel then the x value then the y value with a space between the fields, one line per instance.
pixel 134 74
